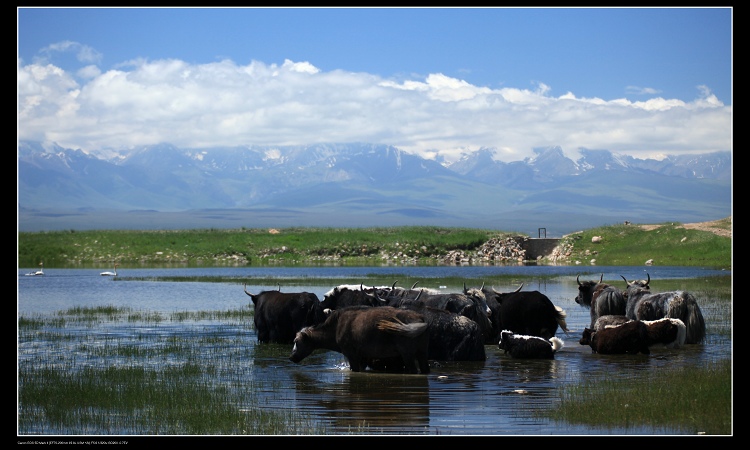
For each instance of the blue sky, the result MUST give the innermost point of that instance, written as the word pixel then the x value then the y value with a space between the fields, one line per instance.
pixel 646 82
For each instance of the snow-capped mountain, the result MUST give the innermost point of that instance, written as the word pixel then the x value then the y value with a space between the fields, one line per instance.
pixel 360 184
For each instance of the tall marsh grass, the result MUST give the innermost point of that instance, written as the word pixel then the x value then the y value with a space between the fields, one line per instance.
pixel 695 400
pixel 127 379
pixel 174 400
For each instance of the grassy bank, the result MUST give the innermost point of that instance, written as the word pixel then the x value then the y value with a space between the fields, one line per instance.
pixel 218 247
pixel 668 244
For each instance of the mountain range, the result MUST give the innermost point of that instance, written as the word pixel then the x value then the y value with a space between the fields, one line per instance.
pixel 360 185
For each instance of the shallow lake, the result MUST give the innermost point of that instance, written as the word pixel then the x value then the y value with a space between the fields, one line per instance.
pixel 499 396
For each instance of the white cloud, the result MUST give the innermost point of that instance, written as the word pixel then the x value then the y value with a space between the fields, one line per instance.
pixel 223 103
pixel 635 90
pixel 303 67
pixel 88 72
pixel 83 53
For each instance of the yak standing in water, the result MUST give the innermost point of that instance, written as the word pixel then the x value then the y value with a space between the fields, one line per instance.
pixel 453 337
pixel 366 334
pixel 602 299
pixel 526 312
pixel 471 303
pixel 344 296
pixel 279 316
pixel 643 304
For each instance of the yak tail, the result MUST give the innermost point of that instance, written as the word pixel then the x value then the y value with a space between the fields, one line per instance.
pixel 678 306
pixel 560 317
pixel 557 343
pixel 681 333
pixel 695 326
pixel 395 326
pixel 684 307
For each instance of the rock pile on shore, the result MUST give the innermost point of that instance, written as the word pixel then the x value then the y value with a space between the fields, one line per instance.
pixel 507 249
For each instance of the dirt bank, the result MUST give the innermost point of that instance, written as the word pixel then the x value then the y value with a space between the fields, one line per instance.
pixel 721 227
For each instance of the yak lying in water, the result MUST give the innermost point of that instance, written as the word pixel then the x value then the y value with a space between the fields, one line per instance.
pixel 665 332
pixel 529 347
pixel 631 337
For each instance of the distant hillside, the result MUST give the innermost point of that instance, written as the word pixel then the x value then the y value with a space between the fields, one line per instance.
pixel 359 184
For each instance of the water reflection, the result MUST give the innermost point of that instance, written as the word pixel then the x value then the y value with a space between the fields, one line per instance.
pixel 522 372
pixel 357 400
pixel 268 354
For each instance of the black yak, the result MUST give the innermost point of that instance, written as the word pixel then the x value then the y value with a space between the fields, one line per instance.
pixel 279 316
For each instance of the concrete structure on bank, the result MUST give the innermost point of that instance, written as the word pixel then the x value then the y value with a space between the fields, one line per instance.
pixel 538 247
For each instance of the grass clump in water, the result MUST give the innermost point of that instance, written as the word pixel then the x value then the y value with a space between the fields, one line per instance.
pixel 697 401
pixel 137 400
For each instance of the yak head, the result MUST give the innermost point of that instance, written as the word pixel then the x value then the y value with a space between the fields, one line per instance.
pixel 641 284
pixel 505 338
pixel 303 345
pixel 586 336
pixel 586 291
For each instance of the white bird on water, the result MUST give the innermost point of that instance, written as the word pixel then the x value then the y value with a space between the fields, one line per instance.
pixel 38 272
pixel 110 274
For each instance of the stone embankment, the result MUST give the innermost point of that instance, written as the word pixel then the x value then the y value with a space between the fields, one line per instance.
pixel 562 252
pixel 508 249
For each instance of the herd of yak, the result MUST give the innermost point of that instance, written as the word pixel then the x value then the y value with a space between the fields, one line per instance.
pixel 400 330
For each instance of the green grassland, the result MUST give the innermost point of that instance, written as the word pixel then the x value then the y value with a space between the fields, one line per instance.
pixel 668 244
